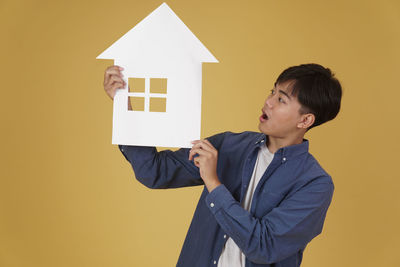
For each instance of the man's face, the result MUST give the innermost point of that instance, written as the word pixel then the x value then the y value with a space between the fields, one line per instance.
pixel 280 113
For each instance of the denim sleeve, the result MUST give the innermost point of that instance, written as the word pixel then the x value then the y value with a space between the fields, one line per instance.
pixel 280 233
pixel 166 168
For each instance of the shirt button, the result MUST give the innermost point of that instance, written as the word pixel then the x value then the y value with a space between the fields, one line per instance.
pixel 122 149
pixel 224 236
pixel 212 205
pixel 215 262
pixel 284 159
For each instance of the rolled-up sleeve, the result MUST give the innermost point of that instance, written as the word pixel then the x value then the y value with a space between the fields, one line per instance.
pixel 280 233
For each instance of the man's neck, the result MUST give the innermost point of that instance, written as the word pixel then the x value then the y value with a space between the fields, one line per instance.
pixel 275 143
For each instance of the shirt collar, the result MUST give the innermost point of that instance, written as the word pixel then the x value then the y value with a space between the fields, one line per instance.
pixel 288 151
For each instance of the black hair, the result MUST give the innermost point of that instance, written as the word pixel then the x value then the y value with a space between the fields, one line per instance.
pixel 316 89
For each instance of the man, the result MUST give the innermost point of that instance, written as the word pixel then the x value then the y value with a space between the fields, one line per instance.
pixel 265 196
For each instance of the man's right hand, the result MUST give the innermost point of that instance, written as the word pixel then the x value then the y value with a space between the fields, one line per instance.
pixel 113 80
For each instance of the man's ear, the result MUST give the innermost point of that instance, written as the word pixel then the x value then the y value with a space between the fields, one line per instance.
pixel 306 120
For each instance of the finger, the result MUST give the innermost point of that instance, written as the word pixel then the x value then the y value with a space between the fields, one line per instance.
pixel 209 144
pixel 117 86
pixel 115 79
pixel 112 74
pixel 113 70
pixel 197 162
pixel 115 67
pixel 192 153
pixel 199 151
pixel 114 86
pixel 111 92
pixel 203 145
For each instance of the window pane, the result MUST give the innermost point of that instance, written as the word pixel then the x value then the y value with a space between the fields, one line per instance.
pixel 136 85
pixel 158 85
pixel 158 104
pixel 137 103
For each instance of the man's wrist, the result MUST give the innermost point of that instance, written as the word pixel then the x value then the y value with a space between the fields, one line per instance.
pixel 212 185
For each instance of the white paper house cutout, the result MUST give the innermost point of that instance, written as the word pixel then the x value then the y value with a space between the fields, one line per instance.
pixel 160 46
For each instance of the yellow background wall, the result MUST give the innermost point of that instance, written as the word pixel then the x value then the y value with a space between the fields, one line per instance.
pixel 69 198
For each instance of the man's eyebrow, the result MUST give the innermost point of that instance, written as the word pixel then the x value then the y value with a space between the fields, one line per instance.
pixel 286 94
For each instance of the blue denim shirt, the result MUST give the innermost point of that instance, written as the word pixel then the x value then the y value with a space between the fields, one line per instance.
pixel 288 208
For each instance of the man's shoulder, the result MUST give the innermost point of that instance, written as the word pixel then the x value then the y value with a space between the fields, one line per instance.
pixel 313 169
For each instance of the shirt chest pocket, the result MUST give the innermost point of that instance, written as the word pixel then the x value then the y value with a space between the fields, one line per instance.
pixel 266 201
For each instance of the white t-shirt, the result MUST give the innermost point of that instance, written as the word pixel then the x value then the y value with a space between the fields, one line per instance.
pixel 231 255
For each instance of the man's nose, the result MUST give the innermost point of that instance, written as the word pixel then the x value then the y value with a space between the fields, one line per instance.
pixel 268 102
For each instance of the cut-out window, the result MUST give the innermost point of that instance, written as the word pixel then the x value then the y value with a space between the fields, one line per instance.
pixel 136 85
pixel 158 104
pixel 147 94
pixel 137 103
pixel 158 85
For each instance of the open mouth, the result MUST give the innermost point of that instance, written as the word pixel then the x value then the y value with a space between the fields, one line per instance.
pixel 264 116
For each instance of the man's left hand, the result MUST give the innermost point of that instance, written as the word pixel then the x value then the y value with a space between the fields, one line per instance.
pixel 206 161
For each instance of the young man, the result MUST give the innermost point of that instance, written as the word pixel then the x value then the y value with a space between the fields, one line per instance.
pixel 265 196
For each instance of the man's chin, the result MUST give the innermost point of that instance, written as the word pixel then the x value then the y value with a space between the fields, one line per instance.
pixel 261 129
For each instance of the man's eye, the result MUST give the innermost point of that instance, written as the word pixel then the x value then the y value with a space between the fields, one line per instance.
pixel 281 100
